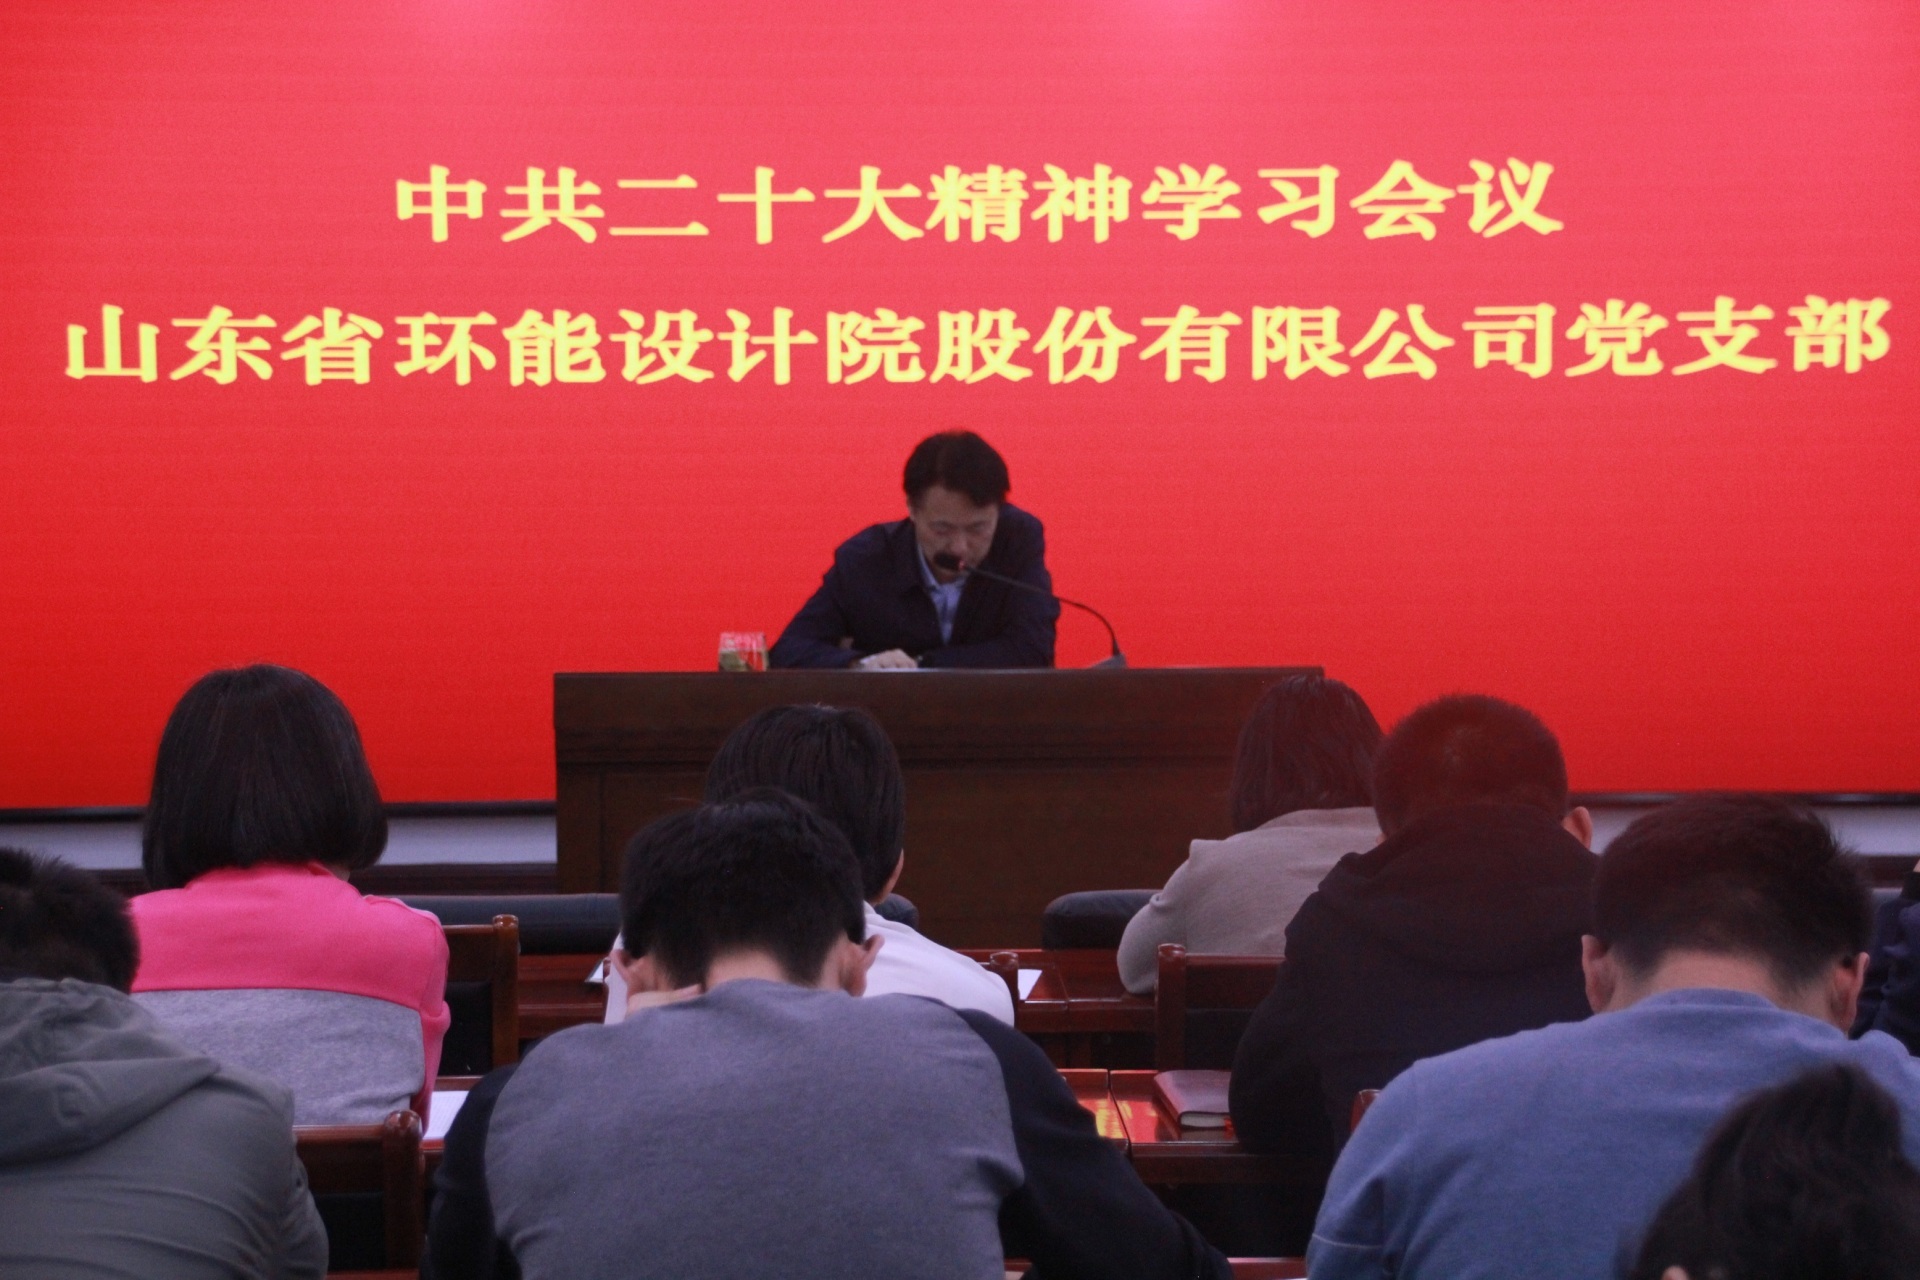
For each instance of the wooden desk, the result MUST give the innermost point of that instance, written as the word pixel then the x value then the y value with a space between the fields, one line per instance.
pixel 1164 1153
pixel 1077 1000
pixel 554 994
pixel 1090 1089
pixel 1269 1268
pixel 1021 785
pixel 1076 1004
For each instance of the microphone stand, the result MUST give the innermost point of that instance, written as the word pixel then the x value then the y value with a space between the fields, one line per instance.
pixel 951 562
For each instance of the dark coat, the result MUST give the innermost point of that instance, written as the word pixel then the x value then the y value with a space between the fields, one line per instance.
pixel 875 596
pixel 1890 999
pixel 1462 926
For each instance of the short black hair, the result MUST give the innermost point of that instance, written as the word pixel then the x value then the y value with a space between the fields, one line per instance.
pixel 259 764
pixel 960 461
pixel 762 871
pixel 1806 1179
pixel 57 921
pixel 1467 748
pixel 1744 875
pixel 1308 744
pixel 837 759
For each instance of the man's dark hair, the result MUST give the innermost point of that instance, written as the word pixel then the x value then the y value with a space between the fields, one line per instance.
pixel 1308 744
pixel 837 759
pixel 57 921
pixel 762 871
pixel 259 764
pixel 1807 1179
pixel 960 461
pixel 1467 749
pixel 1738 875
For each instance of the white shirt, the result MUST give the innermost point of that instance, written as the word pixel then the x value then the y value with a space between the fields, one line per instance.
pixel 908 964
pixel 912 965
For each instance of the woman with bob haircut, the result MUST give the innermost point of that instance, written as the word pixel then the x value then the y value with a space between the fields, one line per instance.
pixel 1302 799
pixel 254 949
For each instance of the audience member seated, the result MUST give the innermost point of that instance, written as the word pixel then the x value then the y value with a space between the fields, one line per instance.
pixel 840 761
pixel 1800 1181
pixel 1890 1000
pixel 1464 923
pixel 1726 956
pixel 1302 798
pixel 254 948
pixel 123 1152
pixel 766 1124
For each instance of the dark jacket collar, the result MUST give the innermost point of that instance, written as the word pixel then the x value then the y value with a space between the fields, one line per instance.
pixel 903 558
pixel 1474 888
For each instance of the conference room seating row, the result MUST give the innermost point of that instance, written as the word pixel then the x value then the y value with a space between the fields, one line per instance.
pixel 393 1163
pixel 516 976
pixel 1073 1005
pixel 506 988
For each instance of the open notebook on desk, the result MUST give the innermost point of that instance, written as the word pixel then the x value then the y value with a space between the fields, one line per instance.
pixel 446 1105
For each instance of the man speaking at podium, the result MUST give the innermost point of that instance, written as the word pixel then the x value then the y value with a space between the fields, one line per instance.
pixel 901 595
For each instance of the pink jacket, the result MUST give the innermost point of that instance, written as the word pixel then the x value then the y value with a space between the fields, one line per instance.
pixel 291 972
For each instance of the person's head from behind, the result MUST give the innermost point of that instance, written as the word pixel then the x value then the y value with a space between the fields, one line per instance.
pixel 1308 744
pixel 955 484
pixel 837 759
pixel 1805 1180
pixel 759 885
pixel 260 764
pixel 57 921
pixel 1743 892
pixel 1467 748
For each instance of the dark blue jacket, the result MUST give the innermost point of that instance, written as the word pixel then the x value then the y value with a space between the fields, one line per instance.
pixel 874 594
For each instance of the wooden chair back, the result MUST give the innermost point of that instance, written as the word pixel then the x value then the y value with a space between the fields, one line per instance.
pixel 1213 984
pixel 383 1158
pixel 1006 966
pixel 490 954
pixel 1361 1101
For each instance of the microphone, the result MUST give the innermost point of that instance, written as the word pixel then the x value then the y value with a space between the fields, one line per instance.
pixel 954 564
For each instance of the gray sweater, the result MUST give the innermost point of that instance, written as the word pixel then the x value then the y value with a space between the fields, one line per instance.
pixel 771 1130
pixel 123 1153
pixel 737 1155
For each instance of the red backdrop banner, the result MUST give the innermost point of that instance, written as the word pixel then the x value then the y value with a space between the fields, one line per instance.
pixel 1554 351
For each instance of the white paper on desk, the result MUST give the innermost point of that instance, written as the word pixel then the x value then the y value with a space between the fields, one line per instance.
pixel 446 1105
pixel 1029 979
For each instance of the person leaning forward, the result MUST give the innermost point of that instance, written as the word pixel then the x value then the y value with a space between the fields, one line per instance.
pixel 766 1122
pixel 891 598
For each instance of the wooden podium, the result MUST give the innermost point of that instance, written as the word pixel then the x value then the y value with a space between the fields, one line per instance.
pixel 1021 785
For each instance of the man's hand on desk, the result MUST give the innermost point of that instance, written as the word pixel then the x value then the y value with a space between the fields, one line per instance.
pixel 891 660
